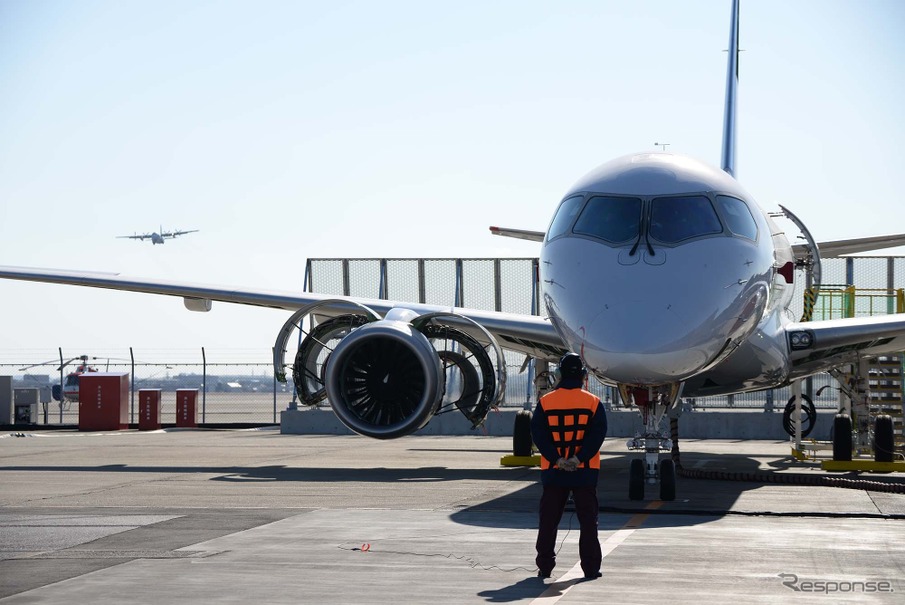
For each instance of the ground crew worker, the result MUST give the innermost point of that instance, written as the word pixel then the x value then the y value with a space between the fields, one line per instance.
pixel 568 428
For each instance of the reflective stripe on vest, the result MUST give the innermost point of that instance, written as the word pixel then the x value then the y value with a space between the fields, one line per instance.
pixel 568 413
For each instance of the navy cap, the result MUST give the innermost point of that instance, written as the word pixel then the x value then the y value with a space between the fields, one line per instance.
pixel 571 366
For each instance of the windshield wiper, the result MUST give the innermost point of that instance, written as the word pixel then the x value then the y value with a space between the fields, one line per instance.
pixel 642 232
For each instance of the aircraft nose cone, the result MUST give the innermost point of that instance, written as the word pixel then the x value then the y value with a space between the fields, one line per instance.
pixel 654 318
pixel 651 339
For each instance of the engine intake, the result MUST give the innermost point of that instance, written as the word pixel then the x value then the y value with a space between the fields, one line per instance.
pixel 384 380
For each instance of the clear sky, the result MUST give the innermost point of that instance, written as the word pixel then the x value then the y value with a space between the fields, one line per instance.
pixel 310 129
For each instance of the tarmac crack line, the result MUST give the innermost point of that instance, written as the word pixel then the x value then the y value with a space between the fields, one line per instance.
pixel 100 490
pixel 870 496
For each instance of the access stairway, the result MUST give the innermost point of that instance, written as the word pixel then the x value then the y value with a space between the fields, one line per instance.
pixel 886 392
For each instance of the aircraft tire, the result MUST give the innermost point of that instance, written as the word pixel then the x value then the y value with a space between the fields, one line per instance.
pixel 636 480
pixel 521 434
pixel 667 480
pixel 884 441
pixel 842 438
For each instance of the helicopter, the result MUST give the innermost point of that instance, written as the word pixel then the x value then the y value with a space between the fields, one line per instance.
pixel 67 391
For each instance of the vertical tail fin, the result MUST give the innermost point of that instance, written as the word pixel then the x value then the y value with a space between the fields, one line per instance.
pixel 729 131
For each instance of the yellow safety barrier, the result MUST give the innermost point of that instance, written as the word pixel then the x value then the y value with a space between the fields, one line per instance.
pixel 837 301
pixel 826 302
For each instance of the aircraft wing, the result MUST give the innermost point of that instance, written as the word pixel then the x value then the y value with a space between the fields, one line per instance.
pixel 175 233
pixel 141 237
pixel 851 246
pixel 840 341
pixel 534 236
pixel 527 334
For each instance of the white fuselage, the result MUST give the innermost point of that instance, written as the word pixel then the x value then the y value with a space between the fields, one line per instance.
pixel 657 268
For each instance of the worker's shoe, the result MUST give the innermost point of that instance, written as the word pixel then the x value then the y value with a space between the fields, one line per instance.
pixel 543 574
pixel 593 575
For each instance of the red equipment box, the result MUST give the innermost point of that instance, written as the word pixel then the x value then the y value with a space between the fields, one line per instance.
pixel 149 401
pixel 187 407
pixel 103 401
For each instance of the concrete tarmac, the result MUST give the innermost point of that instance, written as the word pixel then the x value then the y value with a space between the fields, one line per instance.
pixel 254 516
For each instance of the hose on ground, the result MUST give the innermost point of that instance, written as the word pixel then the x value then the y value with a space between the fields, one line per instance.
pixel 788 479
pixel 797 479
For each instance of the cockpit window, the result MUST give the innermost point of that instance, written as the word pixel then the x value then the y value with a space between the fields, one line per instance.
pixel 564 217
pixel 613 219
pixel 674 219
pixel 737 216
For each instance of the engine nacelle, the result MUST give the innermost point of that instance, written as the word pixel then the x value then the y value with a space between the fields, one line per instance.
pixel 384 380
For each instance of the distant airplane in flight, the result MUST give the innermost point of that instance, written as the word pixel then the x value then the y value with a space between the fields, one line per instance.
pixel 158 237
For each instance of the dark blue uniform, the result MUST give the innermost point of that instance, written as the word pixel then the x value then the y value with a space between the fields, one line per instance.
pixel 558 484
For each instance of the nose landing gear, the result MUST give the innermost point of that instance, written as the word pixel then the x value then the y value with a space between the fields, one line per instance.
pixel 653 404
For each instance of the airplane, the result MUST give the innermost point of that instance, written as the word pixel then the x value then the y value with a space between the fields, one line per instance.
pixel 659 269
pixel 157 237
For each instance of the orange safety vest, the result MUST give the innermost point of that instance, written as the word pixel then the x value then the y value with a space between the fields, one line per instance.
pixel 569 412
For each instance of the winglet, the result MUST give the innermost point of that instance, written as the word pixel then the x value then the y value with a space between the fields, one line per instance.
pixel 729 112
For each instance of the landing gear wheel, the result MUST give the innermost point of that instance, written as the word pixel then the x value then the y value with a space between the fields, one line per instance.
pixel 884 443
pixel 636 480
pixel 842 438
pixel 521 434
pixel 667 480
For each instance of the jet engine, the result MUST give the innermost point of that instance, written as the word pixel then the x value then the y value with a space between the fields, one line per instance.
pixel 385 380
pixel 387 377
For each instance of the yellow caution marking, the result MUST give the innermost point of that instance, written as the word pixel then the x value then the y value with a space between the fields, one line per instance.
pixel 511 460
pixel 862 465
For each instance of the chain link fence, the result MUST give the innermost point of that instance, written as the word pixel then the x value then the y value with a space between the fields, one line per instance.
pixel 234 392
